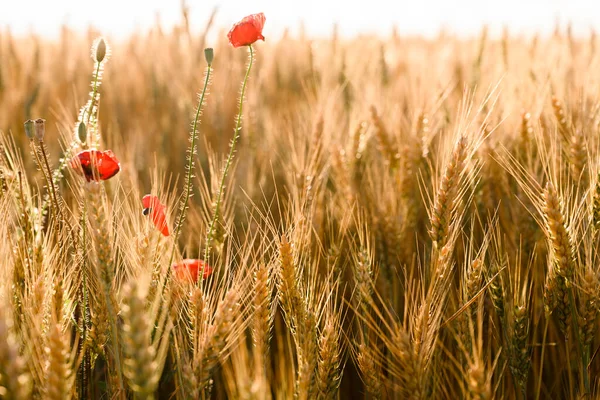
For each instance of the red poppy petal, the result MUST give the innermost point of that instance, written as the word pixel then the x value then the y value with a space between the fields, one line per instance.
pixel 157 213
pixel 187 270
pixel 96 164
pixel 108 165
pixel 110 154
pixel 81 163
pixel 146 200
pixel 258 20
pixel 157 216
pixel 150 201
pixel 247 31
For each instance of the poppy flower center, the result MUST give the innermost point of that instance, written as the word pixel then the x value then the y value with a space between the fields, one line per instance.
pixel 87 169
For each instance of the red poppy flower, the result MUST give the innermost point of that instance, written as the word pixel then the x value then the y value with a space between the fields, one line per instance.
pixel 156 210
pixel 247 31
pixel 188 269
pixel 96 165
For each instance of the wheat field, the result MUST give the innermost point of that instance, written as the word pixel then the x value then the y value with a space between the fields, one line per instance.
pixel 402 218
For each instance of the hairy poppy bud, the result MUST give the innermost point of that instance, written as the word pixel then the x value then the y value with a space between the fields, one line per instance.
pixel 100 50
pixel 82 132
pixel 29 128
pixel 40 129
pixel 209 54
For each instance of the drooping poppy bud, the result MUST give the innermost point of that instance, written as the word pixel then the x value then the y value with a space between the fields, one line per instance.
pixel 189 269
pixel 156 211
pixel 96 165
pixel 247 31
pixel 82 132
pixel 29 129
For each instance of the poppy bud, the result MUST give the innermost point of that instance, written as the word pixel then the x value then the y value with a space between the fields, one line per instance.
pixel 40 129
pixel 29 128
pixel 82 132
pixel 209 54
pixel 100 50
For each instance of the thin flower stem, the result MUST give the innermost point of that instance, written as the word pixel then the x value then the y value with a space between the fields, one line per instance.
pixel 53 191
pixel 42 162
pixel 228 163
pixel 50 183
pixel 190 171
pixel 94 91
pixel 25 215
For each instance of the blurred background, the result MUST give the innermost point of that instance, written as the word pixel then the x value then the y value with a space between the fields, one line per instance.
pixel 118 18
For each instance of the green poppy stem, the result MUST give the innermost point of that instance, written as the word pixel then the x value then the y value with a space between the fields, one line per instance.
pixel 190 169
pixel 209 235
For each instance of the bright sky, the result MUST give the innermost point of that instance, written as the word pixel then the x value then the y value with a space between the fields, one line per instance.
pixel 117 18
